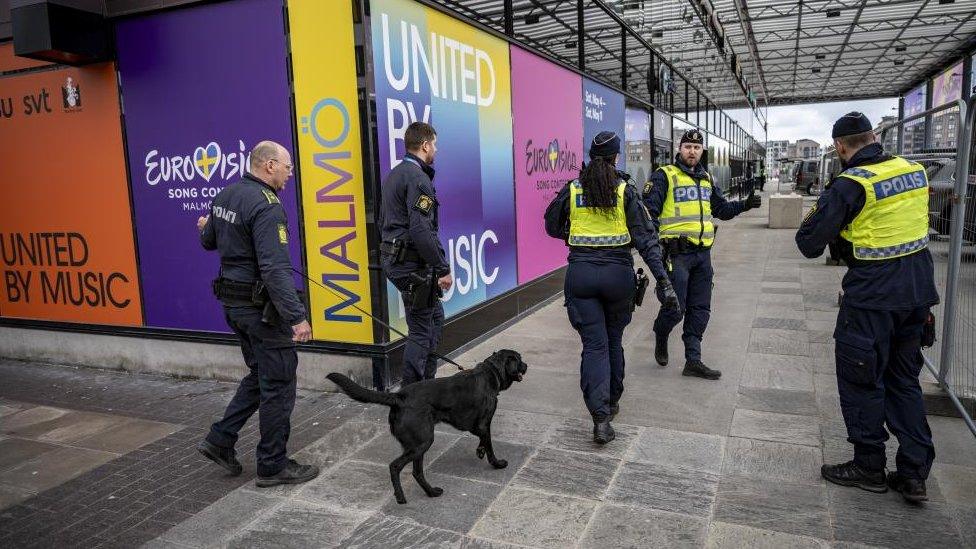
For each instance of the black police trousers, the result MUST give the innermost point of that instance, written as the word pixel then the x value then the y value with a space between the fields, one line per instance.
pixel 269 388
pixel 691 277
pixel 878 361
pixel 424 326
pixel 599 301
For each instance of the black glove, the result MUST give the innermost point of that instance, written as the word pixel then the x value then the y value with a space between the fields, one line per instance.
pixel 666 294
pixel 753 201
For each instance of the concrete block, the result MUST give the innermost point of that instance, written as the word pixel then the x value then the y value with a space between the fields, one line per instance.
pixel 785 211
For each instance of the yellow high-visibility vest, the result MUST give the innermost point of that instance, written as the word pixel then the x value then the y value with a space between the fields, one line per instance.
pixel 591 227
pixel 687 209
pixel 895 219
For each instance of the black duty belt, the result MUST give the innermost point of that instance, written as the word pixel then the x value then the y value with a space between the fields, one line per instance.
pixel 251 293
pixel 401 252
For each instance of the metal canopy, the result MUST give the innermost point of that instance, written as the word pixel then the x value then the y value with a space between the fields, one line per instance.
pixel 789 51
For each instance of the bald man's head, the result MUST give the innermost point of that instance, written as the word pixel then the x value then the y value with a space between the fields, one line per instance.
pixel 271 163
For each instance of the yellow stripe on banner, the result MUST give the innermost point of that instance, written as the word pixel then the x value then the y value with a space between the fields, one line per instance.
pixel 331 168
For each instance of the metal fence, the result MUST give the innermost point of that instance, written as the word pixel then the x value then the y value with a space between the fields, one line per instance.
pixel 952 228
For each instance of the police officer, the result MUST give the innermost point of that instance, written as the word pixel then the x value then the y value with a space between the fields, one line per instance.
pixel 412 255
pixel 682 202
pixel 248 227
pixel 601 218
pixel 878 208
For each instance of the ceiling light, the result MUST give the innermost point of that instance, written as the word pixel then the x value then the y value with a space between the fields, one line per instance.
pixel 900 48
pixel 947 1
pixel 821 56
pixel 816 71
pixel 833 13
pixel 900 62
pixel 532 19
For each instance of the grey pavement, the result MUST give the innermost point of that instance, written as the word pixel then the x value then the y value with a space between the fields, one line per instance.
pixel 728 463
pixel 732 463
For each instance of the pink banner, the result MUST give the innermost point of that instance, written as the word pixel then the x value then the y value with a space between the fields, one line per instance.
pixel 548 120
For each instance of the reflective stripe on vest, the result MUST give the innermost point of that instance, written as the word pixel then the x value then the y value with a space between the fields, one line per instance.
pixel 895 219
pixel 687 209
pixel 592 227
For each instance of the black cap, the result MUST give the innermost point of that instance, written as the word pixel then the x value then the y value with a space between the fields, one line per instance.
pixel 605 144
pixel 850 124
pixel 692 136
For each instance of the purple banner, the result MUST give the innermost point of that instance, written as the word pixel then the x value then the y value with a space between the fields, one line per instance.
pixel 200 87
pixel 915 101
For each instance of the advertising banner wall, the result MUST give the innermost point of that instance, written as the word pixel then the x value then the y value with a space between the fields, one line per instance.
pixel 638 143
pixel 548 153
pixel 947 86
pixel 915 101
pixel 65 223
pixel 201 86
pixel 433 68
pixel 603 110
pixel 331 168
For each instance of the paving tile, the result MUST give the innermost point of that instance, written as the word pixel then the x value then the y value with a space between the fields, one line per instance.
pixel 772 460
pixel 14 451
pixel 470 542
pixel 11 495
pixel 526 428
pixel 887 520
pixel 694 451
pixel 964 518
pixel 790 284
pixel 774 505
pixel 353 485
pixel 778 400
pixel 52 468
pixel 577 435
pixel 342 442
pixel 127 436
pixel 722 535
pixel 777 372
pixel 385 448
pixel 298 525
pixel 461 460
pixel 953 441
pixel 14 423
pixel 72 427
pixel 458 509
pixel 567 473
pixel 664 487
pixel 780 323
pixel 957 483
pixel 781 291
pixel 222 520
pixel 788 428
pixel 539 520
pixel 781 310
pixel 383 532
pixel 779 342
pixel 627 527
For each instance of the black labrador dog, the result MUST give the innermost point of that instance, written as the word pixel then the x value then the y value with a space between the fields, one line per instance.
pixel 466 401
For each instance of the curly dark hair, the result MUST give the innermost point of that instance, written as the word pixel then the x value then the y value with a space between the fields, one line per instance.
pixel 599 182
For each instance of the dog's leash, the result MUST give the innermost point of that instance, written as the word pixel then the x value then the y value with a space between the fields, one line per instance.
pixel 380 322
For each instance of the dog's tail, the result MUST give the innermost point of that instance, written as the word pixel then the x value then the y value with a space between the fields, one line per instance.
pixel 362 394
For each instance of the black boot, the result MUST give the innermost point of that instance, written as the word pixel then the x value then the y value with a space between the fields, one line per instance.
pixel 225 457
pixel 661 349
pixel 912 489
pixel 293 473
pixel 697 368
pixel 602 430
pixel 851 474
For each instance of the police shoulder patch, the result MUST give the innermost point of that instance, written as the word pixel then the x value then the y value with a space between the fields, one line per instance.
pixel 282 233
pixel 424 204
pixel 272 197
pixel 810 213
pixel 648 186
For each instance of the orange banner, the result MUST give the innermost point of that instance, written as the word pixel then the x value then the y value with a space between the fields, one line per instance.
pixel 66 246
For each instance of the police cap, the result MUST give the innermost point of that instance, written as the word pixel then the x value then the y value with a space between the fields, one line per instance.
pixel 851 123
pixel 692 136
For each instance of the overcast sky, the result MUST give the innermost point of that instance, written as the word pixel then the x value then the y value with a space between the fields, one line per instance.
pixel 815 121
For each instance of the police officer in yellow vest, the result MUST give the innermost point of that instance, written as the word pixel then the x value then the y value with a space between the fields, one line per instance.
pixel 877 211
pixel 682 202
pixel 601 218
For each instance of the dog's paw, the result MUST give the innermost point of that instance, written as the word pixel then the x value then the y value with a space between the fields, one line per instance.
pixel 436 492
pixel 401 500
pixel 500 464
pixel 481 452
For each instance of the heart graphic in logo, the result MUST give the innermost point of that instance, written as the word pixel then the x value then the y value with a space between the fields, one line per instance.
pixel 553 154
pixel 205 160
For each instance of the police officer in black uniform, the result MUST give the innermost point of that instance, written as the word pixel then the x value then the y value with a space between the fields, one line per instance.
pixel 248 227
pixel 412 255
pixel 601 218
pixel 877 212
pixel 682 201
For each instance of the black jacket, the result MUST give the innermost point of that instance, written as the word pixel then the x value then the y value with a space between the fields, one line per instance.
pixel 898 284
pixel 643 236
pixel 249 229
pixel 657 192
pixel 409 213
